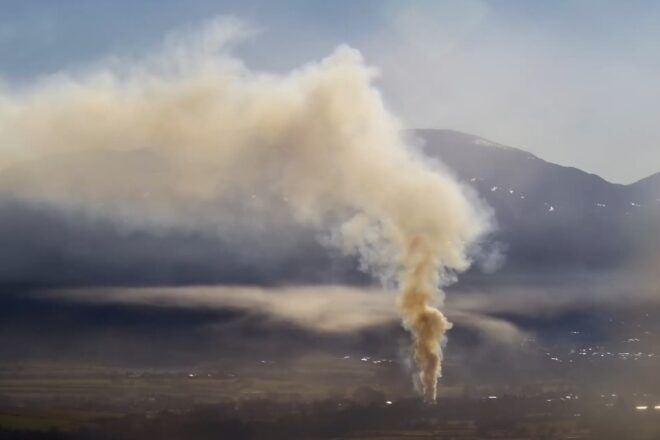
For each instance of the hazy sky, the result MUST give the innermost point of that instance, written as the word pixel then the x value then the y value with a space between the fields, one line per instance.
pixel 575 82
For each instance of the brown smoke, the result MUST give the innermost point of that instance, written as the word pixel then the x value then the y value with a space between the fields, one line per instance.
pixel 419 283
pixel 203 134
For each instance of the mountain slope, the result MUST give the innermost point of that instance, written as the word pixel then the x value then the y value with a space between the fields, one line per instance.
pixel 550 216
pixel 648 189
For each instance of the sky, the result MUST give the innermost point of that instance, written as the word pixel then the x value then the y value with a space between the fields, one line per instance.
pixel 575 82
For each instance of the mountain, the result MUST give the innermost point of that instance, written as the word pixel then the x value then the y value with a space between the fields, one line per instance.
pixel 550 216
pixel 648 189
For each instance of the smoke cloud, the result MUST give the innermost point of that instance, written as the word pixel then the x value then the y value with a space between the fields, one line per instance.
pixel 326 309
pixel 199 137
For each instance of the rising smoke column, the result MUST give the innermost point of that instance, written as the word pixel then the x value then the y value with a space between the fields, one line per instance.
pixel 426 323
pixel 203 134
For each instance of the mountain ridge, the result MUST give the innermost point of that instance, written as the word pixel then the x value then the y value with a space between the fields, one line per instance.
pixel 549 218
pixel 655 177
pixel 550 215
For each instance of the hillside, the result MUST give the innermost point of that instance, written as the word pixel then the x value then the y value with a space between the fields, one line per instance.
pixel 547 213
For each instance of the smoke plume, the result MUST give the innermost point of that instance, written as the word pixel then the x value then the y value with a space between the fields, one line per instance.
pixel 201 137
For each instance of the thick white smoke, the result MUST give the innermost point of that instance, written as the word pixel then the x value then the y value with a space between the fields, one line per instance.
pixel 206 131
